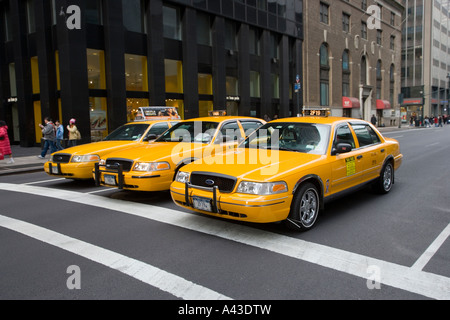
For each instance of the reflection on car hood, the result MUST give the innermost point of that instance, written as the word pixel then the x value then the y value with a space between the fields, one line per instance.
pixel 99 148
pixel 172 152
pixel 255 165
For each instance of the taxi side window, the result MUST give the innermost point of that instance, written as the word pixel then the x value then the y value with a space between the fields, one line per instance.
pixel 230 131
pixel 344 135
pixel 250 126
pixel 366 135
pixel 158 129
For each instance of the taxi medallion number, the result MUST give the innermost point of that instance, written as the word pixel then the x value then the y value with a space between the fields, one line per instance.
pixel 351 166
pixel 202 204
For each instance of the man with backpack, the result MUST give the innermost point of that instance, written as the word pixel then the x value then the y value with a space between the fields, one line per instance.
pixel 49 136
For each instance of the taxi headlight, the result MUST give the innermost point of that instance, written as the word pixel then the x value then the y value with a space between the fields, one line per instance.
pixel 102 162
pixel 85 158
pixel 151 166
pixel 258 188
pixel 183 177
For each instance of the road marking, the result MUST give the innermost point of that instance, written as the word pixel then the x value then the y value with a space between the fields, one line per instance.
pixel 102 190
pixel 432 145
pixel 432 249
pixel 139 270
pixel 43 181
pixel 394 275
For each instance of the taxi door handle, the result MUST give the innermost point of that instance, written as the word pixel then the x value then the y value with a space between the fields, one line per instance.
pixel 382 150
pixel 360 157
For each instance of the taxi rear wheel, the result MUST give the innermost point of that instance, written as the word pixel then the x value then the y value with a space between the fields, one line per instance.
pixel 305 208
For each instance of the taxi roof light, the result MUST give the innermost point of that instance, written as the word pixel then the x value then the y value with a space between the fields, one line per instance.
pixel 316 112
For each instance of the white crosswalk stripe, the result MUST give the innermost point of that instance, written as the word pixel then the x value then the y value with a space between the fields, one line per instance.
pixel 406 278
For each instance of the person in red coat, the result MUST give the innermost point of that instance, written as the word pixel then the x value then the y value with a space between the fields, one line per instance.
pixel 5 146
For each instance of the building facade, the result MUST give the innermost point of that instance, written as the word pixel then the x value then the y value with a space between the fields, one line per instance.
pixel 99 60
pixel 426 62
pixel 352 57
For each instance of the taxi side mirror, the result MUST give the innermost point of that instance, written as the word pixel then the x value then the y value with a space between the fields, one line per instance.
pixel 151 137
pixel 342 148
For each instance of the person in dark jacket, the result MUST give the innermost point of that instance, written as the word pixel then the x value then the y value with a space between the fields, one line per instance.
pixel 49 135
pixel 5 145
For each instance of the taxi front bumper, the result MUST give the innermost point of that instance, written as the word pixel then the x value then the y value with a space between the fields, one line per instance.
pixel 81 171
pixel 116 177
pixel 242 207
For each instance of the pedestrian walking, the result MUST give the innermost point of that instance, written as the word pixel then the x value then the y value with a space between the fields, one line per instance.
pixel 440 121
pixel 59 135
pixel 74 134
pixel 5 145
pixel 373 120
pixel 49 136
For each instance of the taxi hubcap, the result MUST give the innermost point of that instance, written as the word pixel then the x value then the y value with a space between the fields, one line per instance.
pixel 308 207
pixel 387 178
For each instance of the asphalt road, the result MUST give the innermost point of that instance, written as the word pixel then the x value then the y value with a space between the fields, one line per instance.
pixel 61 239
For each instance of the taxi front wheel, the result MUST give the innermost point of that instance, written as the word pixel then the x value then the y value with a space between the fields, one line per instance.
pixel 384 184
pixel 305 208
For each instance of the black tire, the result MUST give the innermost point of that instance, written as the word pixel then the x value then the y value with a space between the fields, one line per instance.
pixel 305 208
pixel 385 182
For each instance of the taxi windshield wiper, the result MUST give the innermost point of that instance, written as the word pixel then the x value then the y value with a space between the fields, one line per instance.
pixel 288 149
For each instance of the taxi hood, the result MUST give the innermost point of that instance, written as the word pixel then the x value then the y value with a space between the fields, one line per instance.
pixel 98 148
pixel 173 152
pixel 255 165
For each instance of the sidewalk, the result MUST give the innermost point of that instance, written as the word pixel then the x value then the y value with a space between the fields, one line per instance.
pixel 25 160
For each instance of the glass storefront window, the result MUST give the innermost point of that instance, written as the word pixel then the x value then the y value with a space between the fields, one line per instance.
pixel 133 15
pixel 96 69
pixel 174 76
pixel 94 12
pixel 38 119
pixel 254 85
pixel 35 75
pixel 136 72
pixel 205 107
pixel 99 118
pixel 276 86
pixel 172 23
pixel 133 106
pixel 232 86
pixel 31 21
pixel 204 29
pixel 178 104
pixel 205 84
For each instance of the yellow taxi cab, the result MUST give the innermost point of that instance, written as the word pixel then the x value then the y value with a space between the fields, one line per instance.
pixel 288 169
pixel 78 162
pixel 153 167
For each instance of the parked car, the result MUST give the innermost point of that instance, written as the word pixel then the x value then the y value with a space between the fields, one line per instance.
pixel 153 167
pixel 78 162
pixel 288 169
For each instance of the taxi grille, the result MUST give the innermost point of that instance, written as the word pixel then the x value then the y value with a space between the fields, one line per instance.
pixel 114 163
pixel 62 158
pixel 225 183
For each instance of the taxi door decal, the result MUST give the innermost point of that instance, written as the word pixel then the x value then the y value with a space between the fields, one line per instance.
pixel 351 166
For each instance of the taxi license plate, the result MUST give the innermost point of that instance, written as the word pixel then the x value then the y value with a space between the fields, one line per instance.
pixel 202 204
pixel 55 170
pixel 110 180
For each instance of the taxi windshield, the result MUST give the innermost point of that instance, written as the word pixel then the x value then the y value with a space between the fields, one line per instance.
pixel 295 137
pixel 192 131
pixel 132 132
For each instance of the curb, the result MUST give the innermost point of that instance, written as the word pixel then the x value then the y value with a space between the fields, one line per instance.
pixel 12 171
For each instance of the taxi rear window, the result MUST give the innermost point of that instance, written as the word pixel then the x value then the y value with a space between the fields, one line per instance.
pixel 132 132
